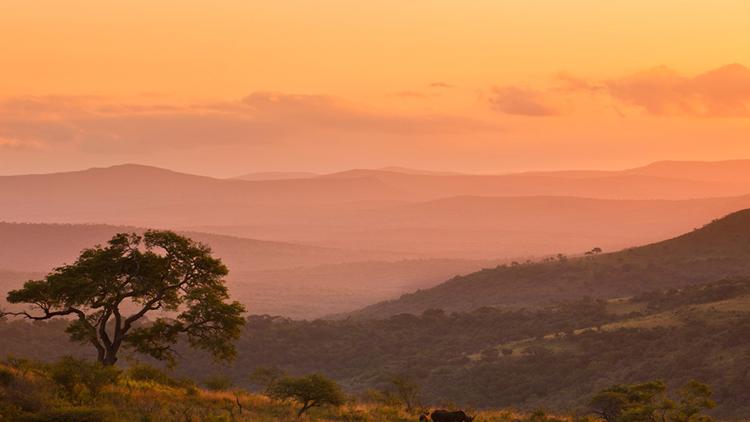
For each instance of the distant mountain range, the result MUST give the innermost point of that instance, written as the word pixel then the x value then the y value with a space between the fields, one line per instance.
pixel 276 175
pixel 409 211
pixel 286 175
pixel 373 234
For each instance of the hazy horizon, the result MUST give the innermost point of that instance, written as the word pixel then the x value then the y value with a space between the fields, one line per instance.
pixel 280 174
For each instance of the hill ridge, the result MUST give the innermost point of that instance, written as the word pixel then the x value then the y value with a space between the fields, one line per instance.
pixel 717 250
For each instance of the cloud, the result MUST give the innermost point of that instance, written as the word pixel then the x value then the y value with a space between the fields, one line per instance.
pixel 722 92
pixel 17 144
pixel 440 85
pixel 521 101
pixel 106 124
pixel 570 83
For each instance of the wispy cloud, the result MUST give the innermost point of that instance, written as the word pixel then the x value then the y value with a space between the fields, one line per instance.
pixel 660 91
pixel 102 124
pixel 17 144
pixel 722 92
pixel 521 101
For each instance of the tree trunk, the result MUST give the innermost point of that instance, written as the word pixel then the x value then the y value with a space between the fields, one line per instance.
pixel 304 409
pixel 109 358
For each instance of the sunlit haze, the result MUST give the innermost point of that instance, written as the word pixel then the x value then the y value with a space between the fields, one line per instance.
pixel 381 211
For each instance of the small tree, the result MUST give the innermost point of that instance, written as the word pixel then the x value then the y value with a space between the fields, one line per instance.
pixel 159 271
pixel 693 398
pixel 407 391
pixel 310 391
pixel 637 402
pixel 595 251
pixel 266 377
pixel 649 402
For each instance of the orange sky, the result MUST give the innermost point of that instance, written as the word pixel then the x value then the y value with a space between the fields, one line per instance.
pixel 226 87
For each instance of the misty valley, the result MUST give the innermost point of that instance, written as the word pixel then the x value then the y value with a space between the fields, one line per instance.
pixel 391 295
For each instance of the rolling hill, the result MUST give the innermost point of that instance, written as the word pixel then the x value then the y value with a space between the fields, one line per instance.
pixel 276 175
pixel 277 278
pixel 720 249
pixel 606 185
pixel 415 213
pixel 719 171
pixel 41 247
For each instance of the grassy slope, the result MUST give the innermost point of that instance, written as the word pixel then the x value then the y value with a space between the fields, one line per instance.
pixel 32 396
pixel 698 328
pixel 720 249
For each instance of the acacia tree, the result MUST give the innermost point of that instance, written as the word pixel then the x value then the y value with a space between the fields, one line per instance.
pixel 649 402
pixel 407 390
pixel 109 291
pixel 310 391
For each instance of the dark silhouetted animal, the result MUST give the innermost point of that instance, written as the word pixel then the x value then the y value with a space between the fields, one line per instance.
pixel 446 416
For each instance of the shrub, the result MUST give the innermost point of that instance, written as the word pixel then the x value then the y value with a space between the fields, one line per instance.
pixel 21 365
pixel 310 391
pixel 70 414
pixel 6 377
pixel 218 383
pixel 74 375
pixel 143 372
pixel 266 377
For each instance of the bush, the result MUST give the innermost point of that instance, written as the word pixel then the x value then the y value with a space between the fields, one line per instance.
pixel 266 377
pixel 310 391
pixel 21 365
pixel 78 377
pixel 70 414
pixel 6 377
pixel 218 383
pixel 143 372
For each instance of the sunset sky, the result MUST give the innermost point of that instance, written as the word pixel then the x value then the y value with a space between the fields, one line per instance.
pixel 230 87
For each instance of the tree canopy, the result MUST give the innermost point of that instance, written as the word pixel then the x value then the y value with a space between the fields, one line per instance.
pixel 648 402
pixel 109 291
pixel 310 391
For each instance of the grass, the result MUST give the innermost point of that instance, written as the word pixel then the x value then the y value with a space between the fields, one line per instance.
pixel 29 395
pixel 635 319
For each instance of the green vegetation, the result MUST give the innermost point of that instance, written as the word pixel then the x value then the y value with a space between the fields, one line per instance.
pixel 555 358
pixel 649 402
pixel 79 378
pixel 54 392
pixel 40 396
pixel 159 271
pixel 309 391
